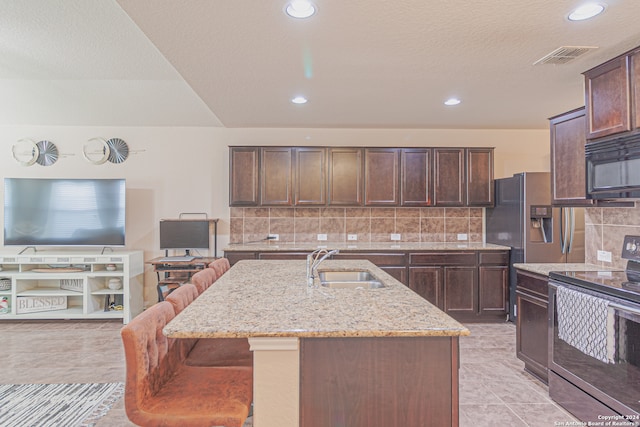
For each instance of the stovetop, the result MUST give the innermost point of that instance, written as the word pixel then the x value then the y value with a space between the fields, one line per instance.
pixel 614 283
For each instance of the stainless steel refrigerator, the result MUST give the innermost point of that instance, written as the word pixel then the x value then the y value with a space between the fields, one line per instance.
pixel 524 219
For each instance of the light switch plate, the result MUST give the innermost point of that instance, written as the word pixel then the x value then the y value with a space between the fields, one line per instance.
pixel 395 236
pixel 352 237
pixel 462 236
pixel 322 237
pixel 274 237
pixel 604 256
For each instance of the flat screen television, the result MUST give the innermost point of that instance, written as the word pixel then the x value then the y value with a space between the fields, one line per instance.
pixel 64 212
pixel 184 234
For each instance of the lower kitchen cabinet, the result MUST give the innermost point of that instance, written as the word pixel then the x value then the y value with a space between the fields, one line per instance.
pixel 532 302
pixel 470 286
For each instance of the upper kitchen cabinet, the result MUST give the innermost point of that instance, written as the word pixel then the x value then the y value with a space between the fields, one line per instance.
pixel 480 186
pixel 612 96
pixel 310 178
pixel 416 183
pixel 568 174
pixel 244 176
pixel 449 177
pixel 345 176
pixel 276 177
pixel 358 176
pixel 463 176
pixel 381 172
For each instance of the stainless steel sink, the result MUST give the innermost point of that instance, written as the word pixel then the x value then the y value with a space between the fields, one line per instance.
pixel 354 279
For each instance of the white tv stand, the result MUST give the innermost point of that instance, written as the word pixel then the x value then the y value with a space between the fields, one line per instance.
pixel 40 275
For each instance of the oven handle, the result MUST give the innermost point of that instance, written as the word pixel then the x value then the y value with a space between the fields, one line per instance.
pixel 632 309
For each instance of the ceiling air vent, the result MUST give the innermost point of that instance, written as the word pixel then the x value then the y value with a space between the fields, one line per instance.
pixel 564 54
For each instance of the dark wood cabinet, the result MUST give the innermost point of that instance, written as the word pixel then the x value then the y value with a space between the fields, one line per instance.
pixel 568 168
pixel 416 182
pixel 461 291
pixel 244 176
pixel 612 96
pixel 532 340
pixel 449 177
pixel 352 176
pixel 381 174
pixel 275 176
pixel 345 176
pixel 427 282
pixel 310 178
pixel 480 187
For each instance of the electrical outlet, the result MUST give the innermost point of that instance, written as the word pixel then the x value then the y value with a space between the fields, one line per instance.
pixel 322 237
pixel 462 236
pixel 395 236
pixel 604 256
pixel 273 237
pixel 352 237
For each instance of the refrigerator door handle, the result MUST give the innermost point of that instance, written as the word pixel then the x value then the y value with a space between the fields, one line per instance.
pixel 564 226
pixel 572 219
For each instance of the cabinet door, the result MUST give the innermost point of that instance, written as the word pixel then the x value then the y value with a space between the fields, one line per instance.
pixel 607 98
pixel 345 176
pixel 634 64
pixel 276 181
pixel 568 170
pixel 310 176
pixel 493 288
pixel 398 273
pixel 381 170
pixel 532 342
pixel 479 177
pixel 427 282
pixel 243 181
pixel 449 177
pixel 415 179
pixel 460 290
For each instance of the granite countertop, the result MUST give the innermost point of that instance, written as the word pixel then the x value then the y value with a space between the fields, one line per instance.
pixel 266 246
pixel 268 298
pixel 545 268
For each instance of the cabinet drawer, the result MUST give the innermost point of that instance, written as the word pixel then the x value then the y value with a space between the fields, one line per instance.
pixel 533 283
pixel 234 257
pixel 444 258
pixel 376 258
pixel 495 258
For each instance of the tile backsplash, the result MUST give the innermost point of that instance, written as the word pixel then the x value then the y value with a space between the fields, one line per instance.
pixel 302 225
pixel 605 229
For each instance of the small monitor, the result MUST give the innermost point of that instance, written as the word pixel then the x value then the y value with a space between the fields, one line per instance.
pixel 184 234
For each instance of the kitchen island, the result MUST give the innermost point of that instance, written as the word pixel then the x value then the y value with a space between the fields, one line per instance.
pixel 323 356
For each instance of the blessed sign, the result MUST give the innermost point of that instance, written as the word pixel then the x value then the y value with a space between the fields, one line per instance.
pixel 37 304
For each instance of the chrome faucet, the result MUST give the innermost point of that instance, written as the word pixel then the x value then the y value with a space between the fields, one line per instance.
pixel 313 261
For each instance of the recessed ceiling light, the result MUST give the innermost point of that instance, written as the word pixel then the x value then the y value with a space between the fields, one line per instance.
pixel 452 101
pixel 586 11
pixel 300 8
pixel 299 100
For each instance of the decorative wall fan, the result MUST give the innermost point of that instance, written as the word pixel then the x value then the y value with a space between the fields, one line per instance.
pixel 118 150
pixel 96 151
pixel 47 153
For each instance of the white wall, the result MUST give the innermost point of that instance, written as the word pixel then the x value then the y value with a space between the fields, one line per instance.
pixel 174 170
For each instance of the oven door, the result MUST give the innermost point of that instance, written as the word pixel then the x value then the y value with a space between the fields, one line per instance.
pixel 611 376
pixel 613 168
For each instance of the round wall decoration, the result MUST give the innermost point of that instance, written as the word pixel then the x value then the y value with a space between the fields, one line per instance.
pixel 118 150
pixel 47 153
pixel 25 152
pixel 96 151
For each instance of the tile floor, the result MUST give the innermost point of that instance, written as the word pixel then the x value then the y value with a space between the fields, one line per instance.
pixel 494 390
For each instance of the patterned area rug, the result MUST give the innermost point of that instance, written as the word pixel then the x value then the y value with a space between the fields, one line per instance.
pixel 55 405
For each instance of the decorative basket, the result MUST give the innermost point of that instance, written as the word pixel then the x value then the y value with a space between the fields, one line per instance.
pixel 5 283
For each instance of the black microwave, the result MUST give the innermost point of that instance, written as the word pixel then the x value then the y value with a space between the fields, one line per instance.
pixel 613 168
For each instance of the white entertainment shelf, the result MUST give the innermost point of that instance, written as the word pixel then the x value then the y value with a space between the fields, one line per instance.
pixel 36 281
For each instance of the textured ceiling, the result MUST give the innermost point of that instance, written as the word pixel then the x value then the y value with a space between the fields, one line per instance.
pixel 237 63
